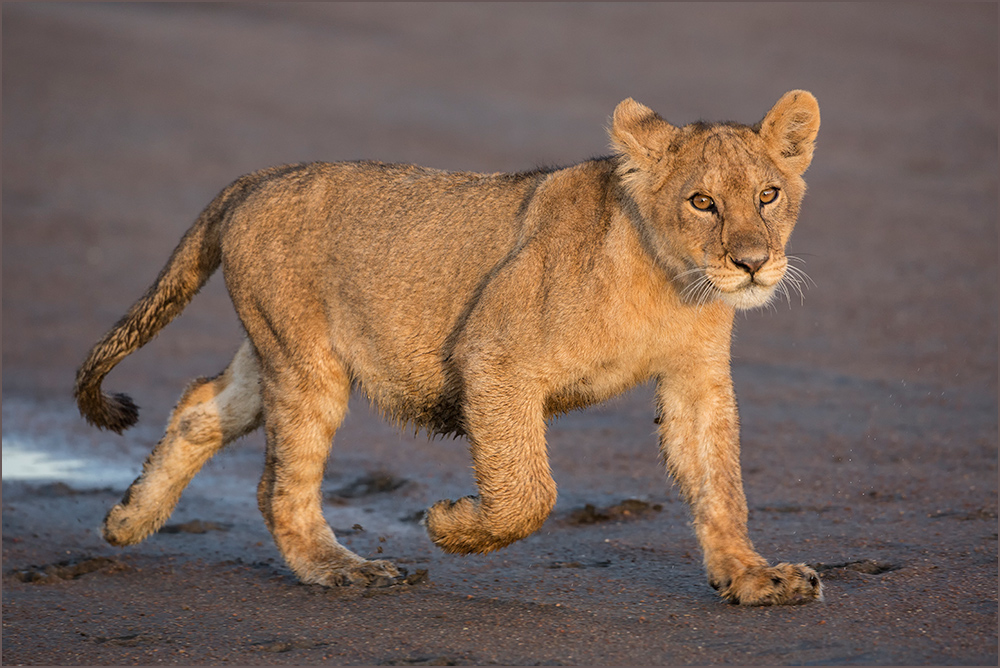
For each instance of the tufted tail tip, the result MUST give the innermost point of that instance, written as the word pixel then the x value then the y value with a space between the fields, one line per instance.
pixel 114 412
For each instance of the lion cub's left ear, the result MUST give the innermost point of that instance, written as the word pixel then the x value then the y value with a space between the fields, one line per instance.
pixel 639 133
pixel 789 129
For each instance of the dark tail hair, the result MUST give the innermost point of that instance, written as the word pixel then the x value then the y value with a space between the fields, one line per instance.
pixel 193 261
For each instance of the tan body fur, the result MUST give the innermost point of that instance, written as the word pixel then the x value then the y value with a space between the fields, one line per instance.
pixel 481 305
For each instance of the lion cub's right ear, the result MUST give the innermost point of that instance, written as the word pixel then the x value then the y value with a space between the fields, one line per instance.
pixel 639 133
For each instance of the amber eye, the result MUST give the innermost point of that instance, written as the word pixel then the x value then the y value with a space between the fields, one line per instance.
pixel 703 202
pixel 768 195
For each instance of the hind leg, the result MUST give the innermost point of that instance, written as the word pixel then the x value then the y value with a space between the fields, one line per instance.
pixel 211 413
pixel 304 406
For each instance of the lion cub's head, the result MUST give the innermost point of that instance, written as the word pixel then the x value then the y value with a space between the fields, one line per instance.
pixel 717 202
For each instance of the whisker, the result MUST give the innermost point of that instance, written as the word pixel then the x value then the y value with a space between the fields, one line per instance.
pixel 798 270
pixel 784 290
pixel 692 288
pixel 801 275
pixel 688 272
pixel 710 291
pixel 699 291
pixel 802 285
pixel 783 286
pixel 793 279
pixel 769 304
pixel 705 291
pixel 801 281
pixel 797 277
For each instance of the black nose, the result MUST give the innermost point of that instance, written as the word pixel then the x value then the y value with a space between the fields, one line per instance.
pixel 749 264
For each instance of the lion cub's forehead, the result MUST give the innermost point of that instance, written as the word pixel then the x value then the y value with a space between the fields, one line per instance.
pixel 725 156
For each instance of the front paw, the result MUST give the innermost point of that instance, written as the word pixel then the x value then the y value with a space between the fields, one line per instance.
pixel 471 525
pixel 784 584
pixel 453 525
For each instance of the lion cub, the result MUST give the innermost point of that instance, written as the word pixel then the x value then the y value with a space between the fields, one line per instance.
pixel 481 305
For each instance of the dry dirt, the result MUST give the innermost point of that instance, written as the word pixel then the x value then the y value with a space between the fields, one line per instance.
pixel 869 410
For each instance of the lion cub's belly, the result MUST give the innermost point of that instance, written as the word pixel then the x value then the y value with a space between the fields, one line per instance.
pixel 594 386
pixel 435 402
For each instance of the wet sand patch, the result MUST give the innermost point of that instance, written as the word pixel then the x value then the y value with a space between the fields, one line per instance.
pixel 627 509
pixel 70 569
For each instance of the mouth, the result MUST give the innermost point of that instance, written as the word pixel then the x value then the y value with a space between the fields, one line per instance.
pixel 741 291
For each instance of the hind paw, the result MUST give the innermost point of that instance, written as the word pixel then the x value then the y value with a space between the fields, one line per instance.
pixel 126 525
pixel 375 573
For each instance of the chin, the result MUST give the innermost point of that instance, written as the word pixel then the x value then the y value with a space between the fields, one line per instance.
pixel 749 297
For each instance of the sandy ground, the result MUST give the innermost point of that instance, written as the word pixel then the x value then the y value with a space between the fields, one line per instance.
pixel 869 411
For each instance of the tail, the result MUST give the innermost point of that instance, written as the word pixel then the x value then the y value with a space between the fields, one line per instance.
pixel 195 259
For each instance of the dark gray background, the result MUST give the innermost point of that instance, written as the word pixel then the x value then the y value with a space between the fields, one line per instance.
pixel 869 411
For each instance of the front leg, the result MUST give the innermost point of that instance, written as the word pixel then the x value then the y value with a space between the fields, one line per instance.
pixel 699 440
pixel 506 430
